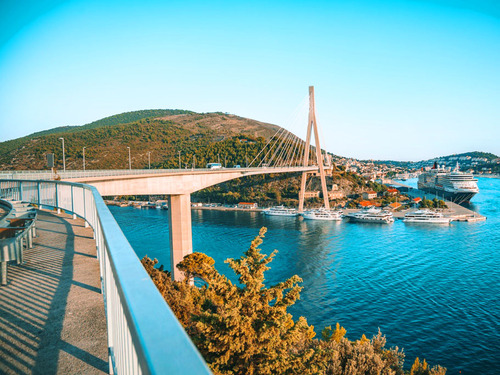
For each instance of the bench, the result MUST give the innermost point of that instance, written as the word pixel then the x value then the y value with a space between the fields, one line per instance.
pixel 14 237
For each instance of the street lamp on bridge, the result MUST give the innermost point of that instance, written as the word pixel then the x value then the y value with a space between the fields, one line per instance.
pixel 64 155
pixel 149 159
pixel 129 159
pixel 84 159
pixel 180 160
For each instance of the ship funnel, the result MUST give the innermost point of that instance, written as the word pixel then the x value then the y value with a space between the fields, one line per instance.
pixel 435 166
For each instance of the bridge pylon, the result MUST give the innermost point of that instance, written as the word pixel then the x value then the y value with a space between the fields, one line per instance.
pixel 312 124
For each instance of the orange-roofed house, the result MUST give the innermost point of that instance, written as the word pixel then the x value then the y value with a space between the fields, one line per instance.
pixel 365 204
pixel 392 191
pixel 416 200
pixel 394 206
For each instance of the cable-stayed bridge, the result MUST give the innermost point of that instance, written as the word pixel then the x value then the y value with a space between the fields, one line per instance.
pixel 80 192
pixel 283 153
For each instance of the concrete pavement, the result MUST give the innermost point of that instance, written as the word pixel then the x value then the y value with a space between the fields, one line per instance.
pixel 52 312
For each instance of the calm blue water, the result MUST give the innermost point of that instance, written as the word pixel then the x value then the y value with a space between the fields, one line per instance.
pixel 434 291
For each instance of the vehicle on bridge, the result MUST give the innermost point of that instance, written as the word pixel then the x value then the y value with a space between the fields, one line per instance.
pixel 214 165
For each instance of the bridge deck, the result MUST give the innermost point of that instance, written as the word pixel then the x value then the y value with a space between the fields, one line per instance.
pixel 51 312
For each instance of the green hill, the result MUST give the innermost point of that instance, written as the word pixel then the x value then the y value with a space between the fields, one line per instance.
pixel 163 133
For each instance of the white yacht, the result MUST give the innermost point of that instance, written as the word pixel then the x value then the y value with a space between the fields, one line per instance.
pixel 323 214
pixel 426 217
pixel 280 211
pixel 371 215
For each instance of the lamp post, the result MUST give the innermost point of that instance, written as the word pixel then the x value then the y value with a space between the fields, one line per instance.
pixel 149 159
pixel 64 155
pixel 194 161
pixel 179 160
pixel 84 159
pixel 129 159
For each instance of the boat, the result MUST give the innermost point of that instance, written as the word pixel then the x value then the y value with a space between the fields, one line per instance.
pixel 458 187
pixel 280 211
pixel 323 214
pixel 426 217
pixel 371 215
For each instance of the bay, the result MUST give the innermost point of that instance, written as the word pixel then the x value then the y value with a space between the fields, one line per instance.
pixel 432 290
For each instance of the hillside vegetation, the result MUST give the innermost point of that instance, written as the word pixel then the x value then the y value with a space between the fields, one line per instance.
pixel 447 159
pixel 163 133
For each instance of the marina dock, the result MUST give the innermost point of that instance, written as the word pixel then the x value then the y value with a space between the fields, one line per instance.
pixel 455 211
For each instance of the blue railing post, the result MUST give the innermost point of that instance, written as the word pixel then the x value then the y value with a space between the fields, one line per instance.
pixel 72 201
pixel 84 206
pixel 38 193
pixel 57 198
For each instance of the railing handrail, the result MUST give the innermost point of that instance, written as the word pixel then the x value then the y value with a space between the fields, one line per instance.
pixel 77 173
pixel 161 345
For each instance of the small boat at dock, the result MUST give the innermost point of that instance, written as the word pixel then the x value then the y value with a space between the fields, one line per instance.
pixel 371 215
pixel 323 214
pixel 426 217
pixel 280 211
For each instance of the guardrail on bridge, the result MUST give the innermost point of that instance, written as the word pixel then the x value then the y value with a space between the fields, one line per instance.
pixel 139 342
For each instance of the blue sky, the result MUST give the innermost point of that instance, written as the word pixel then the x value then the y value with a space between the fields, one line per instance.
pixel 405 80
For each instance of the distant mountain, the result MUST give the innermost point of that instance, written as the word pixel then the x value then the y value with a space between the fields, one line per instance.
pixel 477 157
pixel 163 133
pixel 486 156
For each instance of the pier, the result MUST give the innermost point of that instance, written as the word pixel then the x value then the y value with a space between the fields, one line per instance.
pixel 455 211
pixel 52 316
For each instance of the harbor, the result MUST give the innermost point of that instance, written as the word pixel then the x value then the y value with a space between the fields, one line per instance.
pixel 424 278
pixel 455 211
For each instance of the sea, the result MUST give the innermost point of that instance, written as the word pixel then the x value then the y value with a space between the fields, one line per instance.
pixel 432 290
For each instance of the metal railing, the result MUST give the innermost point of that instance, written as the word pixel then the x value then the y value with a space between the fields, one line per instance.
pixel 139 341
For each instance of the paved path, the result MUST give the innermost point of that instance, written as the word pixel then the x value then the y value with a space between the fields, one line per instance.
pixel 51 312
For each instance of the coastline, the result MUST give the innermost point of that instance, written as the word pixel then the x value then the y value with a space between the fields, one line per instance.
pixel 486 176
pixel 455 211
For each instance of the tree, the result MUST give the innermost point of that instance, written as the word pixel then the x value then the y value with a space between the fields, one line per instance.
pixel 246 329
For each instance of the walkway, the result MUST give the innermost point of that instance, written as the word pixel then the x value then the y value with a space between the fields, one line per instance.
pixel 51 312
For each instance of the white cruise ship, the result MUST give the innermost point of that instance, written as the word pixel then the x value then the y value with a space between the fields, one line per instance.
pixel 280 211
pixel 426 217
pixel 323 214
pixel 456 186
pixel 371 215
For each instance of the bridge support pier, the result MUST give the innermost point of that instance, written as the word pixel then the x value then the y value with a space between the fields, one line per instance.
pixel 181 239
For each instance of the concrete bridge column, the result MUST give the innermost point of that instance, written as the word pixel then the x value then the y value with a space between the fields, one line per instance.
pixel 181 241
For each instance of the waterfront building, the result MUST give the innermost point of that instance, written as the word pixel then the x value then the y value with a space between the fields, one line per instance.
pixel 311 194
pixel 335 195
pixel 394 206
pixel 365 204
pixel 392 191
pixel 247 205
pixel 369 194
